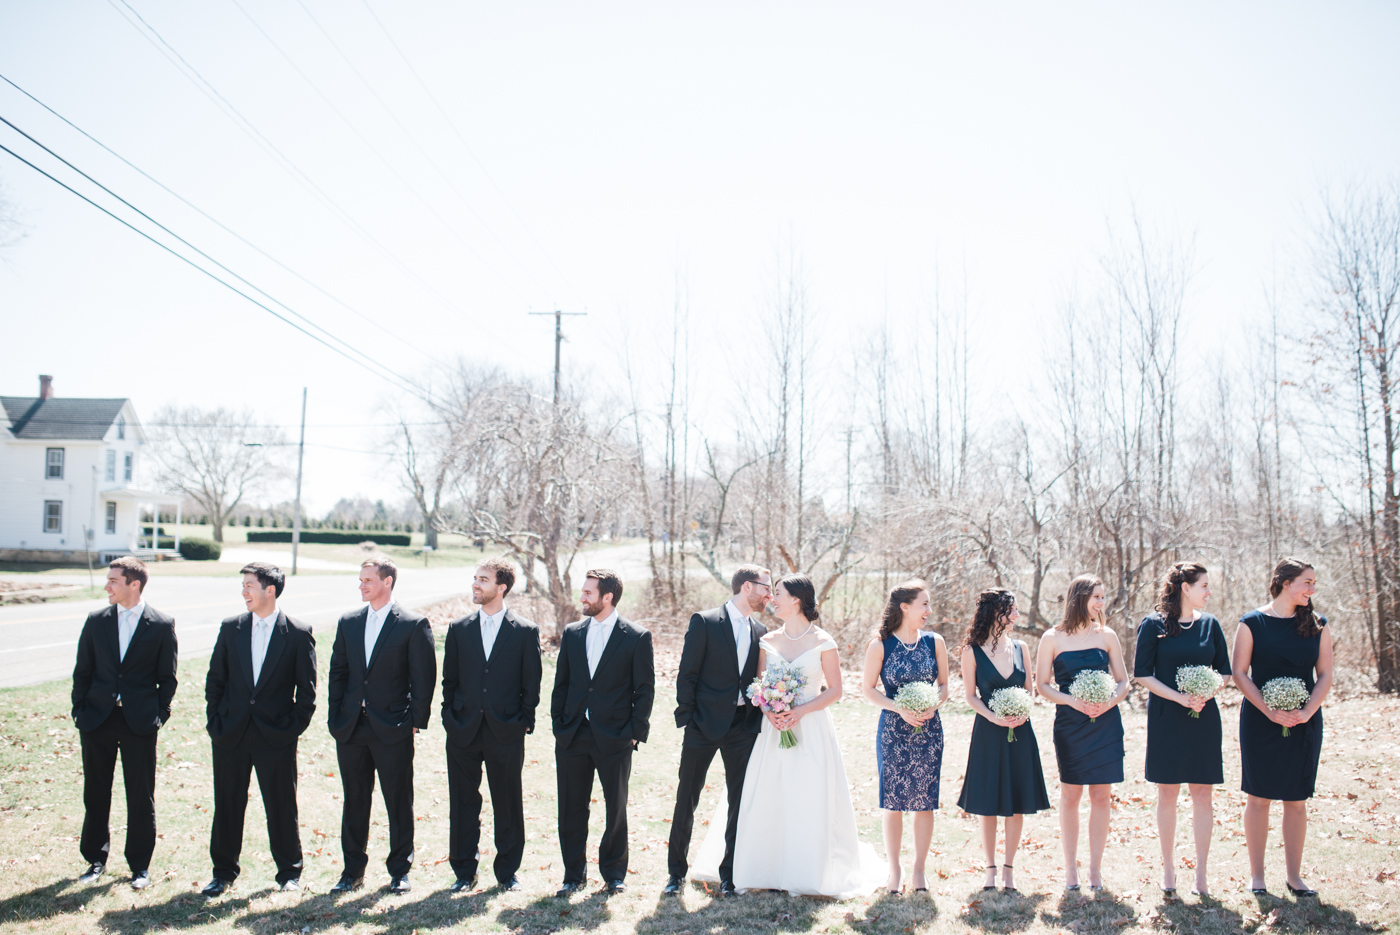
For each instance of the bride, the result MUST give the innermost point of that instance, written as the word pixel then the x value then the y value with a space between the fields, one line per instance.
pixel 797 826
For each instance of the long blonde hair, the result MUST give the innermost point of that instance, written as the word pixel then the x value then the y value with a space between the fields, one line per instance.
pixel 1077 597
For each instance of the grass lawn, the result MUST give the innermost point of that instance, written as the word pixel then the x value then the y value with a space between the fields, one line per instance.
pixel 1351 857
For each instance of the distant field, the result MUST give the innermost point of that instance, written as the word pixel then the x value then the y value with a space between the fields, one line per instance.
pixel 1351 858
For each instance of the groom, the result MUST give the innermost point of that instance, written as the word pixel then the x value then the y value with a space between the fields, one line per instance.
pixel 718 662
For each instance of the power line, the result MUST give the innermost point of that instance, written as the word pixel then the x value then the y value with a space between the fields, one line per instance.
pixel 470 152
pixel 417 145
pixel 190 74
pixel 182 240
pixel 213 220
pixel 394 380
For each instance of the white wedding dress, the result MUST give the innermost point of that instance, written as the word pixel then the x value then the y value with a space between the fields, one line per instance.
pixel 797 826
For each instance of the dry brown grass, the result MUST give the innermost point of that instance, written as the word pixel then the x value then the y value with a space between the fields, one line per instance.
pixel 1351 856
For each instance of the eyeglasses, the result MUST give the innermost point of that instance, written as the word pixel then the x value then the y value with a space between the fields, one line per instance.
pixel 760 584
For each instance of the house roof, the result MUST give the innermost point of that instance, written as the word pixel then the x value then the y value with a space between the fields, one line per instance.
pixel 60 418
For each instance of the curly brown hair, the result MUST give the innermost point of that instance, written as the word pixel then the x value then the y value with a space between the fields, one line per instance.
pixel 1169 595
pixel 1284 572
pixel 893 617
pixel 992 617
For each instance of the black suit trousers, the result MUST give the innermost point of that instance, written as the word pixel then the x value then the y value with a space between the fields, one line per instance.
pixel 696 755
pixel 101 747
pixel 360 758
pixel 575 766
pixel 504 764
pixel 277 781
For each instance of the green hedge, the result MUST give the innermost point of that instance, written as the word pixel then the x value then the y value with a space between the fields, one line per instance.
pixel 342 538
pixel 200 550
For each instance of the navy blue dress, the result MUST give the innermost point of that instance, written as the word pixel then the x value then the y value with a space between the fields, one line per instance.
pixel 1275 766
pixel 1003 777
pixel 1181 748
pixel 910 764
pixel 1089 753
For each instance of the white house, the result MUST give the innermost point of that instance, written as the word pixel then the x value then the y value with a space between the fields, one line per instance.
pixel 67 467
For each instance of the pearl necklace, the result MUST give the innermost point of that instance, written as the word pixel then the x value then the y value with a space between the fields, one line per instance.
pixel 906 646
pixel 784 632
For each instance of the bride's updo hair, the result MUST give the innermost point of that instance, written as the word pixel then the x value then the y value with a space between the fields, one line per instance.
pixel 800 586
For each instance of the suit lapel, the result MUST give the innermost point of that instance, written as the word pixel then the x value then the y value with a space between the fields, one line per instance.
pixel 613 640
pixel 111 634
pixel 275 642
pixel 726 633
pixel 357 641
pixel 391 620
pixel 579 650
pixel 472 634
pixel 243 647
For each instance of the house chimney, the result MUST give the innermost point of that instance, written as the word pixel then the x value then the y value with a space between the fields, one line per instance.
pixel 45 386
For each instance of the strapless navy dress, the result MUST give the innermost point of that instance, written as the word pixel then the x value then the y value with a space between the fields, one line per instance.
pixel 1089 753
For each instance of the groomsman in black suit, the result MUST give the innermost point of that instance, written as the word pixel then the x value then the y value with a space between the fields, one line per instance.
pixel 259 697
pixel 383 667
pixel 719 660
pixel 603 690
pixel 490 689
pixel 123 683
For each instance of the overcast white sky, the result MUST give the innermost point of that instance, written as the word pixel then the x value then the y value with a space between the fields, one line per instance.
pixel 615 143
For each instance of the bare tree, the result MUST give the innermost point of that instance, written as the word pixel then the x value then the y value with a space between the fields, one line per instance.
pixel 217 457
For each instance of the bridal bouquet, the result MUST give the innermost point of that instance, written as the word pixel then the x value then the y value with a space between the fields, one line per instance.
pixel 916 698
pixel 776 691
pixel 1094 686
pixel 1285 694
pixel 1011 702
pixel 1198 682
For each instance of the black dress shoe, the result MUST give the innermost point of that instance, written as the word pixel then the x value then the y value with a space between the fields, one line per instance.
pixel 92 873
pixel 727 888
pixel 1303 893
pixel 513 885
pixel 399 885
pixel 140 880
pixel 673 887
pixel 616 887
pixel 290 886
pixel 348 884
pixel 462 885
pixel 216 887
pixel 569 889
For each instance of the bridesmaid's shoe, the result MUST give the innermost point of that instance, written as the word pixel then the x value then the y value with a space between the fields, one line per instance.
pixel 1170 895
pixel 992 888
pixel 1009 889
pixel 1301 894
pixel 924 888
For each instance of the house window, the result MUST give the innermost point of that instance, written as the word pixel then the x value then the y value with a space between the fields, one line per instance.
pixel 121 428
pixel 111 518
pixel 53 516
pixel 53 468
pixel 127 471
pixel 111 465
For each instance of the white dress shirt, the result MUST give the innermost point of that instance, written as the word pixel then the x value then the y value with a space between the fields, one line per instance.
pixel 596 640
pixel 490 626
pixel 743 638
pixel 126 626
pixel 262 635
pixel 374 622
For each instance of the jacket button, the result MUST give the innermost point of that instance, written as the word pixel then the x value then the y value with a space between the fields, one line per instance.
pixel 365 682
pixel 483 691
pixel 114 694
pixel 486 672
pixel 251 701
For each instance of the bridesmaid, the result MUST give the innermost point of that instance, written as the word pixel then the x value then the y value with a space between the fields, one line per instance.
pixel 910 763
pixel 1089 752
pixel 1284 638
pixel 1182 748
pixel 1003 777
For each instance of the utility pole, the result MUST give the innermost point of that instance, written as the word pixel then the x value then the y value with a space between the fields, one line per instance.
pixel 558 339
pixel 296 507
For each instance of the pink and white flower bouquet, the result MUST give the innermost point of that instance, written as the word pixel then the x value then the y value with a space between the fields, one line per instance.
pixel 776 691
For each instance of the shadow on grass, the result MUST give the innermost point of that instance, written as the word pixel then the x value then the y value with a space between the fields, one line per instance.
pixel 1000 911
pixel 550 912
pixel 184 910
pixel 696 909
pixel 1306 914
pixel 56 899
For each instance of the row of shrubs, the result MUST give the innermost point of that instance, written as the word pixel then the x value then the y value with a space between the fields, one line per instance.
pixel 381 538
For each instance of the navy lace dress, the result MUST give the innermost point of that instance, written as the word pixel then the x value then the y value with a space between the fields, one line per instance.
pixel 910 764
pixel 1275 766
pixel 1089 753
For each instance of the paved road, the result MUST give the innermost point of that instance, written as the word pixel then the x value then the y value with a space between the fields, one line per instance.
pixel 37 641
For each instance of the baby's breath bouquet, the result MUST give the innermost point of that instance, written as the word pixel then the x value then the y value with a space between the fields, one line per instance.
pixel 916 698
pixel 1285 694
pixel 1011 702
pixel 1094 686
pixel 1198 682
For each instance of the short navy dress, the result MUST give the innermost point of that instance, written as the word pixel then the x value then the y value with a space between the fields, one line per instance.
pixel 1003 777
pixel 1182 748
pixel 1089 753
pixel 910 764
pixel 1275 766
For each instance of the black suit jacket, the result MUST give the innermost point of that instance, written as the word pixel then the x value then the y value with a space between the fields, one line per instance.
pixel 619 695
pixel 145 679
pixel 395 684
pixel 709 680
pixel 281 703
pixel 503 690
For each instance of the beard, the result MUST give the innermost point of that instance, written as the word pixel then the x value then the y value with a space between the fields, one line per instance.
pixel 593 610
